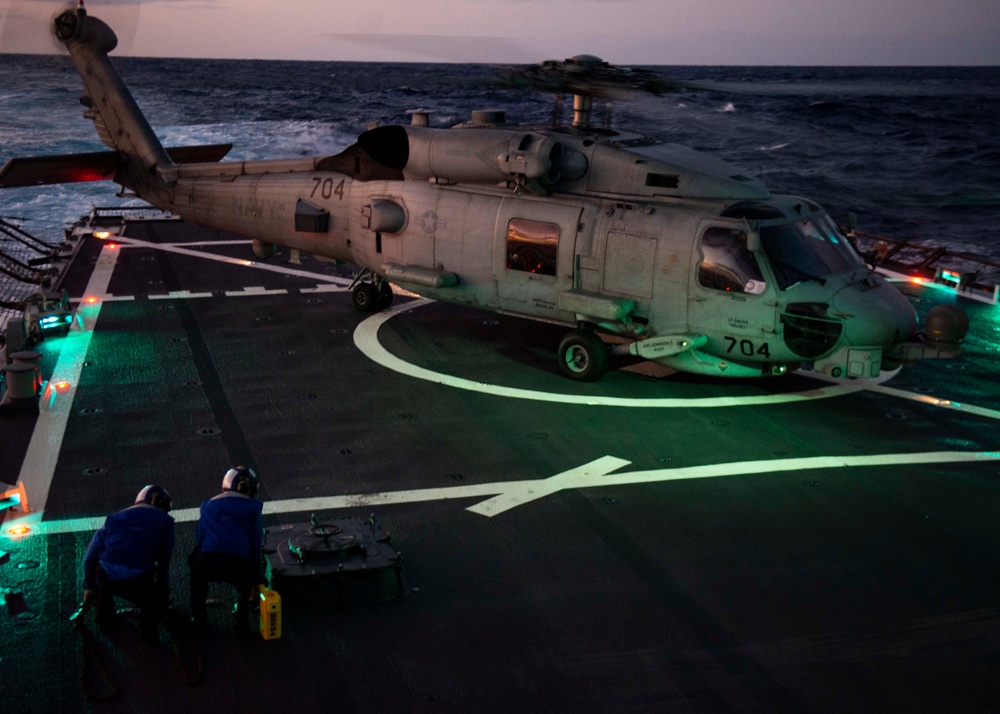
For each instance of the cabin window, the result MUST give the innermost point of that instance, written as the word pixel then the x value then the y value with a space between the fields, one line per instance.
pixel 532 246
pixel 727 264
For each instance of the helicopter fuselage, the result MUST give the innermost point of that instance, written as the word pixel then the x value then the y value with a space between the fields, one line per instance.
pixel 650 269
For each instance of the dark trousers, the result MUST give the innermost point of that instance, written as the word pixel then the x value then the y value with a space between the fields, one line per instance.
pixel 143 590
pixel 221 568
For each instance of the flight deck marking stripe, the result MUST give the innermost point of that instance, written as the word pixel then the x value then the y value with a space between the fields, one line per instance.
pixel 325 289
pixel 174 248
pixel 366 340
pixel 203 243
pixel 254 292
pixel 180 295
pixel 54 405
pixel 187 295
pixel 594 474
pixel 934 401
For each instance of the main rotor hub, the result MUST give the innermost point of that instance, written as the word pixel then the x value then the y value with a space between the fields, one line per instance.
pixel 68 23
pixel 74 26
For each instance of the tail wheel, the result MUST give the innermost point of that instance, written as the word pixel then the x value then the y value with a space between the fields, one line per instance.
pixel 364 297
pixel 583 356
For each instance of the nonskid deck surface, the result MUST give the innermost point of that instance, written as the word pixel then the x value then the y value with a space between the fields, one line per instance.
pixel 639 543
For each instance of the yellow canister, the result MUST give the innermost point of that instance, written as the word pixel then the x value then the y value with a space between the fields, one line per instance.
pixel 270 614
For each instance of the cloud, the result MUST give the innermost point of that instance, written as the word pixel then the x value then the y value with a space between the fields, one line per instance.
pixel 439 48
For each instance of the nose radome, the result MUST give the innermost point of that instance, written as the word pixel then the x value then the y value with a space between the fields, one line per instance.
pixel 875 316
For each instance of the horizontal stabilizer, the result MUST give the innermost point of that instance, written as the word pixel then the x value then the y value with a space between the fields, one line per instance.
pixel 68 168
pixel 96 166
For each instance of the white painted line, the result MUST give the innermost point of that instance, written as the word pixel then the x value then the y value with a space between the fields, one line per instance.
pixel 254 292
pixel 205 243
pixel 187 295
pixel 325 289
pixel 55 403
pixel 366 340
pixel 509 494
pixel 204 255
pixel 934 401
pixel 180 295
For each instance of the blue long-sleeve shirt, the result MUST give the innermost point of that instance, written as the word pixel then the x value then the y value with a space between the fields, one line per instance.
pixel 231 523
pixel 136 540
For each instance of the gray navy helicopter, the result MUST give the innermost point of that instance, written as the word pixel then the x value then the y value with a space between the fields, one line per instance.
pixel 678 256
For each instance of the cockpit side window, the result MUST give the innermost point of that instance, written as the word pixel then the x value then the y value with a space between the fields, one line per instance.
pixel 532 246
pixel 727 264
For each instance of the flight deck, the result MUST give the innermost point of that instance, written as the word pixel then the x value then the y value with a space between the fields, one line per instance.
pixel 646 542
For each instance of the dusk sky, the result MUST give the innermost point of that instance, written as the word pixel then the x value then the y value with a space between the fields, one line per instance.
pixel 792 32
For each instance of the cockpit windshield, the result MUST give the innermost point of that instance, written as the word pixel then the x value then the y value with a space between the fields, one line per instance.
pixel 807 250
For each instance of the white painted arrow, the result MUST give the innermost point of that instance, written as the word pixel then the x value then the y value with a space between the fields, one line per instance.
pixel 592 473
pixel 597 473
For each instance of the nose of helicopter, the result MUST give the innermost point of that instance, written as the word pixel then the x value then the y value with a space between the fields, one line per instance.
pixel 876 314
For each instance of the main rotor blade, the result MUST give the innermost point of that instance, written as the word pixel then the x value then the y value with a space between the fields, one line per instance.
pixel 440 48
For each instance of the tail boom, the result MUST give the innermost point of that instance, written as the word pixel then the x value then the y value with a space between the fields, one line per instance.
pixel 119 121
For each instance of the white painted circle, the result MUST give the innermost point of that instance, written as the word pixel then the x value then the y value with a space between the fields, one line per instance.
pixel 366 339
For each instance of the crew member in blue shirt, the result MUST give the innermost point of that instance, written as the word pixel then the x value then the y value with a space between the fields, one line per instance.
pixel 227 548
pixel 129 557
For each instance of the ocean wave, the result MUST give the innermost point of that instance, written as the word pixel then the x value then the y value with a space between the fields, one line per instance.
pixel 854 139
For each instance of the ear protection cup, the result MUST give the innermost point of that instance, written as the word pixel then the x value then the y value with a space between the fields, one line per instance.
pixel 242 480
pixel 155 496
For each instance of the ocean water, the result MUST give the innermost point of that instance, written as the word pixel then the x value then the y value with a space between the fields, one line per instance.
pixel 913 152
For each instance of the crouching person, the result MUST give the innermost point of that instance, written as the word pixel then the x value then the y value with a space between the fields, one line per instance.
pixel 129 557
pixel 228 547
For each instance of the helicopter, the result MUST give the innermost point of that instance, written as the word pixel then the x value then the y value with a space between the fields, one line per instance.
pixel 635 246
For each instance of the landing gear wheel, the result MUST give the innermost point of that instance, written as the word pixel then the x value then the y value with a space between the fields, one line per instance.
pixel 583 356
pixel 384 299
pixel 364 297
